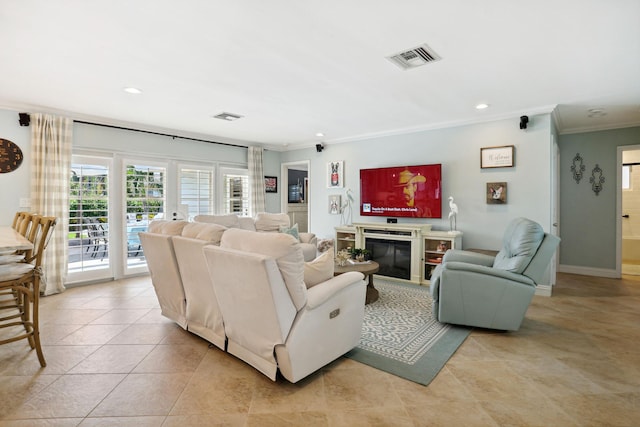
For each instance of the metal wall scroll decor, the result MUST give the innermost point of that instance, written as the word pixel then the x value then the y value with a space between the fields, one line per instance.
pixel 577 168
pixel 596 179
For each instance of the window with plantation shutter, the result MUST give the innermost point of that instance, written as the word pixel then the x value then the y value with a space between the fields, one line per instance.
pixel 236 191
pixel 197 191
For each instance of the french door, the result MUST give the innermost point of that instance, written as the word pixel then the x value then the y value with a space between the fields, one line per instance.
pixel 114 198
pixel 89 219
pixel 144 199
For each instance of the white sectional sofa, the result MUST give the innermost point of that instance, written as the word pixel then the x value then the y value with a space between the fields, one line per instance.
pixel 249 293
pixel 163 267
pixel 265 222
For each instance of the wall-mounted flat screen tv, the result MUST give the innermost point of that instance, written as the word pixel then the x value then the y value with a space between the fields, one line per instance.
pixel 402 191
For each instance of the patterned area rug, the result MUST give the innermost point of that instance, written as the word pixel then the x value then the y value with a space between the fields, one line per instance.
pixel 400 335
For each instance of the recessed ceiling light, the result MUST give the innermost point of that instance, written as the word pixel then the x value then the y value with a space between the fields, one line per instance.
pixel 320 134
pixel 133 90
pixel 482 106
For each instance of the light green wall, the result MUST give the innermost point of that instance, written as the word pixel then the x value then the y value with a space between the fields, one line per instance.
pixel 458 150
pixel 587 221
pixel 16 185
pixel 90 137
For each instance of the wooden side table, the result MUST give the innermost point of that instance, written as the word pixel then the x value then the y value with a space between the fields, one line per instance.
pixel 368 269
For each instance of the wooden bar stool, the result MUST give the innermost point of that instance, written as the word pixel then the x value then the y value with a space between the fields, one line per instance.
pixel 22 222
pixel 20 288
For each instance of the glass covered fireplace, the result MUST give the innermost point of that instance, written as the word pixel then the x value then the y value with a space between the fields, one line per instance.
pixel 394 256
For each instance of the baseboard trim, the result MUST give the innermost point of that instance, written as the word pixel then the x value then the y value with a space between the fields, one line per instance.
pixel 588 271
pixel 544 290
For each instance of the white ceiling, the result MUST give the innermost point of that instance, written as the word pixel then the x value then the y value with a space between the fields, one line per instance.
pixel 293 68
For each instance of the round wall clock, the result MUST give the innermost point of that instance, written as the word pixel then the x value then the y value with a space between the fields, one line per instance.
pixel 10 156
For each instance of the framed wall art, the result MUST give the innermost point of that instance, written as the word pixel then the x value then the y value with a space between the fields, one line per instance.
pixel 335 202
pixel 271 184
pixel 335 177
pixel 496 193
pixel 497 157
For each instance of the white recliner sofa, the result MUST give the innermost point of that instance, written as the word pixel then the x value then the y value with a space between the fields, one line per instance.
pixel 179 274
pixel 271 320
pixel 265 222
pixel 202 311
pixel 250 296
pixel 163 268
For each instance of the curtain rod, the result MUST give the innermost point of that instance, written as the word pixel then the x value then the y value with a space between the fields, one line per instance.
pixel 160 134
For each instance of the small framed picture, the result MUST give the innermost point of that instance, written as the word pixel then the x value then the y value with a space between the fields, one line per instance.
pixel 497 157
pixel 335 201
pixel 335 172
pixel 496 193
pixel 271 184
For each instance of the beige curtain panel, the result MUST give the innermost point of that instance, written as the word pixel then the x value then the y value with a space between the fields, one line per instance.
pixel 50 171
pixel 256 179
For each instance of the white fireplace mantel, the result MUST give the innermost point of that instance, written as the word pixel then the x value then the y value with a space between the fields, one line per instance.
pixel 384 227
pixel 407 232
pixel 414 233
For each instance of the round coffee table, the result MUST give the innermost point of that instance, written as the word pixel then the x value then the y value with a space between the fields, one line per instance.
pixel 368 268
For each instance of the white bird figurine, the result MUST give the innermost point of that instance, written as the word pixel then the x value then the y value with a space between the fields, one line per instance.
pixel 452 214
pixel 347 209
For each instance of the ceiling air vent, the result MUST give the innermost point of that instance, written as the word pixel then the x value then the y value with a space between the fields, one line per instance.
pixel 415 57
pixel 227 116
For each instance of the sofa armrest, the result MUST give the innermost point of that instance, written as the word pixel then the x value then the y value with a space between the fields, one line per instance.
pixel 488 271
pixel 467 257
pixel 308 238
pixel 319 294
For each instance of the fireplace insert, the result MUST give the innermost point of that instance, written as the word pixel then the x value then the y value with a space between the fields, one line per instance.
pixel 394 256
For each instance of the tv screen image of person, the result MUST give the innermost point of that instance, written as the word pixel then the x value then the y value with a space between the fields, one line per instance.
pixel 402 191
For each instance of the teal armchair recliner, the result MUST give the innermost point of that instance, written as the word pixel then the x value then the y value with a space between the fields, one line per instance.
pixel 474 289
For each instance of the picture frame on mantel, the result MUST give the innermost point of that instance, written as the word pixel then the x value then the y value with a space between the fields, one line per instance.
pixel 497 157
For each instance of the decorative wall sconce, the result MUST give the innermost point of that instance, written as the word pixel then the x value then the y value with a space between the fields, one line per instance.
pixel 577 168
pixel 596 179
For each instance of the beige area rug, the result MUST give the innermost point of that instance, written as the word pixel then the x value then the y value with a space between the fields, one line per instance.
pixel 400 335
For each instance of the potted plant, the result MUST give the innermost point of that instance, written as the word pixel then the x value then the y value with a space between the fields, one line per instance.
pixel 360 254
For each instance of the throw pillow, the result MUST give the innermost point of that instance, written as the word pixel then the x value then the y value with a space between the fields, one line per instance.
pixel 271 221
pixel 325 244
pixel 291 230
pixel 319 270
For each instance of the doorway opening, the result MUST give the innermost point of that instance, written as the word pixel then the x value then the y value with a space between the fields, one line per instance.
pixel 295 193
pixel 629 218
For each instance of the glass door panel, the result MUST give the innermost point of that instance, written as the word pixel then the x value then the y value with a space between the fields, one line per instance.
pixel 145 199
pixel 88 232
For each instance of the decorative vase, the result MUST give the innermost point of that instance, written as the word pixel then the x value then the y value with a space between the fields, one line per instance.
pixel 342 257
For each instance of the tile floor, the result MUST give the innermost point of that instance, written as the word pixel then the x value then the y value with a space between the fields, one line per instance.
pixel 114 361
